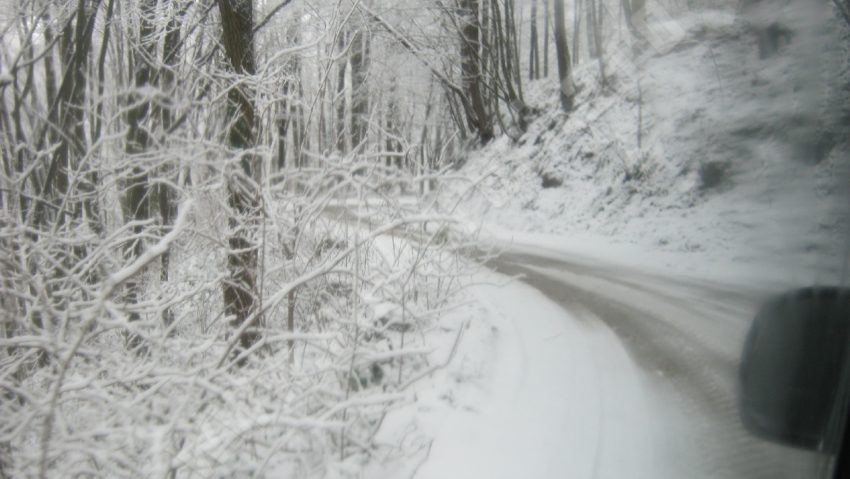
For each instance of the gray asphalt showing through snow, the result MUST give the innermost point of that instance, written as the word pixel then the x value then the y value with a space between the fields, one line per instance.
pixel 686 335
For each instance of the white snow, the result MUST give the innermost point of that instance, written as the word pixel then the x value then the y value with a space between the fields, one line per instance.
pixel 532 392
pixel 699 159
pixel 635 160
pixel 536 391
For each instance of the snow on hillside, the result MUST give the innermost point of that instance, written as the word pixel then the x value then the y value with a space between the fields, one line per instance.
pixel 697 148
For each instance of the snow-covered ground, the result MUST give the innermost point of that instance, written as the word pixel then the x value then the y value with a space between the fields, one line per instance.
pixel 700 162
pixel 639 233
pixel 532 392
pixel 699 156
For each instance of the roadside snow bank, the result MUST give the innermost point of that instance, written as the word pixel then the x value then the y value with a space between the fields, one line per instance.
pixel 532 392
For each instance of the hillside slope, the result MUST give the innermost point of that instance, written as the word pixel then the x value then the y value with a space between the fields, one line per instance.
pixel 711 148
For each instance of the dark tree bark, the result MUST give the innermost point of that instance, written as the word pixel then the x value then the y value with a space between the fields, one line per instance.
pixel 471 69
pixel 240 289
pixel 340 100
pixel 50 77
pixel 135 202
pixel 359 91
pixel 598 15
pixel 67 118
pixel 504 47
pixel 565 76
pixel 289 108
pixel 300 138
pixel 284 110
pixel 164 196
pixel 546 22
pixel 284 120
pixel 576 30
pixel 101 70
pixel 534 52
pixel 67 111
pixel 590 24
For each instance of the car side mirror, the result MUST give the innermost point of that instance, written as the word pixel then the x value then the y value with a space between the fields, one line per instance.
pixel 793 376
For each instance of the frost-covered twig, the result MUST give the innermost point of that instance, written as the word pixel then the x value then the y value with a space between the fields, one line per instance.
pixel 437 367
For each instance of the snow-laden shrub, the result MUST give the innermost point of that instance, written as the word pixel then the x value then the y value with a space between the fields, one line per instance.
pixel 350 283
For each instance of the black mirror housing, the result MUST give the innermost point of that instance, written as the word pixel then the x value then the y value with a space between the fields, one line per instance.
pixel 793 368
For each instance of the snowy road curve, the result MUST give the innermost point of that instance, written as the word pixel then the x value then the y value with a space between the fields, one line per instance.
pixel 603 370
pixel 683 337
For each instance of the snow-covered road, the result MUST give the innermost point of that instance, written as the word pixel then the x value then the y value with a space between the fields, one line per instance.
pixel 600 368
pixel 636 373
pixel 552 404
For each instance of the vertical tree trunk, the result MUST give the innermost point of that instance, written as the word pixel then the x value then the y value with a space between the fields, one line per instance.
pixel 242 257
pixel 598 16
pixel 135 202
pixel 50 78
pixel 101 70
pixel 391 129
pixel 471 69
pixel 576 30
pixel 340 99
pixel 547 20
pixel 423 139
pixel 300 140
pixel 164 196
pixel 511 54
pixel 562 51
pixel 359 91
pixel 282 129
pixel 534 52
pixel 289 107
pixel 590 22
pixel 67 115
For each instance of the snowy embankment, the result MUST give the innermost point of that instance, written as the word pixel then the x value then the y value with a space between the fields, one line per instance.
pixel 698 156
pixel 531 392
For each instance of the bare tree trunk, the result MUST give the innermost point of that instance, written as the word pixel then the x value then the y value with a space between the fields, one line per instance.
pixel 282 129
pixel 67 116
pixel 392 130
pixel 289 108
pixel 423 139
pixel 598 15
pixel 242 258
pixel 534 51
pixel 164 196
pixel 564 68
pixel 512 48
pixel 590 10
pixel 511 52
pixel 340 100
pixel 135 202
pixel 546 22
pixel 471 68
pixel 576 31
pixel 359 91
pixel 300 139
pixel 101 70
